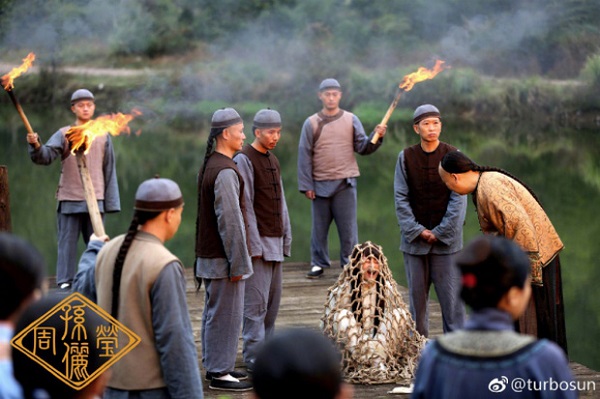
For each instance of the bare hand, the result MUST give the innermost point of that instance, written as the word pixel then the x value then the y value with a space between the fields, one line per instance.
pixel 381 130
pixel 104 238
pixel 428 236
pixel 310 194
pixel 235 279
pixel 33 139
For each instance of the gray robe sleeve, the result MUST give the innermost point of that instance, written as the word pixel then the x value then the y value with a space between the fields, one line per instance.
pixel 247 171
pixel 451 225
pixel 305 155
pixel 362 142
pixel 173 334
pixel 55 147
pixel 406 218
pixel 112 202
pixel 230 223
pixel 85 279
pixel 287 226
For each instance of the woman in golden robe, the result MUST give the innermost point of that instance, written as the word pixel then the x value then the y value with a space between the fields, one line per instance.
pixel 508 207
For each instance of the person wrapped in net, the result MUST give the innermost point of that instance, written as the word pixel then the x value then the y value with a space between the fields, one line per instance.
pixel 368 319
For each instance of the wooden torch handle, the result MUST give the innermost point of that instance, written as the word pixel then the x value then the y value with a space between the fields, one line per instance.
pixel 20 110
pixel 388 114
pixel 90 195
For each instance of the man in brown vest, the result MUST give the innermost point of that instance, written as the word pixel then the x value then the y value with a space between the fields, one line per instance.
pixel 143 286
pixel 431 218
pixel 328 172
pixel 73 216
pixel 222 259
pixel 269 230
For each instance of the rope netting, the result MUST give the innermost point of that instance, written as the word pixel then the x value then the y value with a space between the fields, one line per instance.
pixel 368 319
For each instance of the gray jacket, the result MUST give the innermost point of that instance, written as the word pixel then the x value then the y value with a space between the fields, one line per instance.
pixel 449 232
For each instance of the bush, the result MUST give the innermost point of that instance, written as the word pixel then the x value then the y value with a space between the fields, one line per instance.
pixel 591 71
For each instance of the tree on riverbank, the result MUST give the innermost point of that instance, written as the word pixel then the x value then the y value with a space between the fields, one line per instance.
pixel 195 55
pixel 509 38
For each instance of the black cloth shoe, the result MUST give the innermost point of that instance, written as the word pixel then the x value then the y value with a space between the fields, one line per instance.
pixel 315 272
pixel 240 375
pixel 234 386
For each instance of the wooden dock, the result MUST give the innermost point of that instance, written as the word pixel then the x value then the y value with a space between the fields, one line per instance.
pixel 302 306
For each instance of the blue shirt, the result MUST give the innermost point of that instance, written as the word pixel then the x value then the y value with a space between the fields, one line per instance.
pixel 9 387
pixel 541 365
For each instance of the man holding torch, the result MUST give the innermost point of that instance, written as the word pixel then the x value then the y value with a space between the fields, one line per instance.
pixel 72 212
pixel 431 218
pixel 327 172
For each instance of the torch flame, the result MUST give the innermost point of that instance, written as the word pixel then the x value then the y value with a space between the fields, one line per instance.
pixel 82 136
pixel 422 74
pixel 7 80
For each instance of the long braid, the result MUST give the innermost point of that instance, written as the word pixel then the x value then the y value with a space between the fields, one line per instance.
pixel 457 162
pixel 214 132
pixel 139 218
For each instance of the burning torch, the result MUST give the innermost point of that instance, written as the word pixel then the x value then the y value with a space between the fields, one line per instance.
pixel 406 85
pixel 80 140
pixel 8 83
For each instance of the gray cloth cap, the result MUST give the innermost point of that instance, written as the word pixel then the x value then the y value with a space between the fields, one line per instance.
pixel 330 84
pixel 266 119
pixel 81 94
pixel 425 111
pixel 223 118
pixel 157 195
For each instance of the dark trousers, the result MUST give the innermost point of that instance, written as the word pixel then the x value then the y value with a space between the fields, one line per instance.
pixel 545 314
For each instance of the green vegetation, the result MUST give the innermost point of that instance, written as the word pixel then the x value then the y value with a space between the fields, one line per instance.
pixel 192 56
pixel 521 92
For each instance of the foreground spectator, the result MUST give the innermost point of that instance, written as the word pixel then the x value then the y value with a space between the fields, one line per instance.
pixel 484 359
pixel 299 363
pixel 22 270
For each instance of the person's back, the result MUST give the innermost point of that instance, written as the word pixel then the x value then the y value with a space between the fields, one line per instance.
pixel 21 278
pixel 299 363
pixel 488 358
pixel 142 284
pixel 35 376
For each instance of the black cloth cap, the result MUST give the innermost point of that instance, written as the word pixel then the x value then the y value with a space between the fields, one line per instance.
pixel 330 83
pixel 81 94
pixel 425 111
pixel 266 119
pixel 225 117
pixel 157 195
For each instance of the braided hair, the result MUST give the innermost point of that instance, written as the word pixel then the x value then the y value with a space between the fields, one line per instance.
pixel 490 267
pixel 359 254
pixel 210 144
pixel 139 218
pixel 457 162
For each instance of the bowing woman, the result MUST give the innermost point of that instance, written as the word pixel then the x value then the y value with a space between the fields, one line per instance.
pixel 508 207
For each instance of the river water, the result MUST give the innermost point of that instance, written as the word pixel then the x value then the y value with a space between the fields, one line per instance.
pixel 561 164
